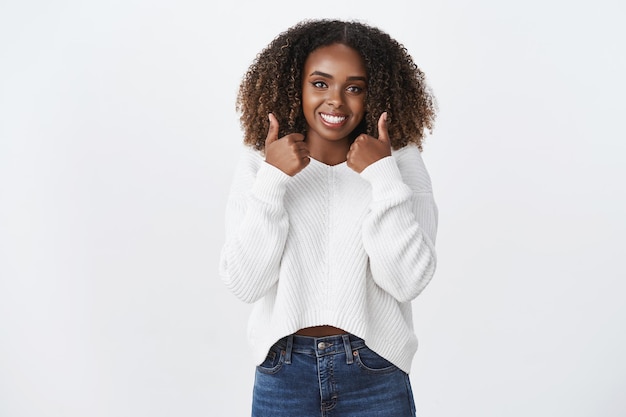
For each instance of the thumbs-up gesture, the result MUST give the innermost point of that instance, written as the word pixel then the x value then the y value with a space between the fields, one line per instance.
pixel 365 150
pixel 289 154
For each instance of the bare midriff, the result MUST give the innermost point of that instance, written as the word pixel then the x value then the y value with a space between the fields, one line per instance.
pixel 320 331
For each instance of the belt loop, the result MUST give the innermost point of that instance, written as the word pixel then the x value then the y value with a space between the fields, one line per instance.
pixel 348 347
pixel 288 349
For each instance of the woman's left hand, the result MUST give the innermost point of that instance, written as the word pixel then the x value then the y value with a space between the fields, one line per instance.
pixel 366 150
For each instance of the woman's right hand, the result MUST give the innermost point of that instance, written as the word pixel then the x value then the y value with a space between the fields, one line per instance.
pixel 290 153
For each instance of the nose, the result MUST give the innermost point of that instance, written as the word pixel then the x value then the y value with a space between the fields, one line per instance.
pixel 334 97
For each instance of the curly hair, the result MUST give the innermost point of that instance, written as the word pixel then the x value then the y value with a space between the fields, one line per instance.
pixel 273 83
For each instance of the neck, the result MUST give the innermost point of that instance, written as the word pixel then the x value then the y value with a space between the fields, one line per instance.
pixel 329 153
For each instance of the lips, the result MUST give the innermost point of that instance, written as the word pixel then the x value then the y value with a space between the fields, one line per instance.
pixel 333 119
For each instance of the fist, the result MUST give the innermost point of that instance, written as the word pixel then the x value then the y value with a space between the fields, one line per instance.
pixel 289 154
pixel 366 150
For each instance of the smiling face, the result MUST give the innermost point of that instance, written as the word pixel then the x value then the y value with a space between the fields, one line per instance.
pixel 334 88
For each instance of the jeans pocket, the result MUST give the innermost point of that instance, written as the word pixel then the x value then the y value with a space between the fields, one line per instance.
pixel 273 361
pixel 372 362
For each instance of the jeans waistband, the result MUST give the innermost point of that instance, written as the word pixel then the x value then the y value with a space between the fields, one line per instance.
pixel 321 346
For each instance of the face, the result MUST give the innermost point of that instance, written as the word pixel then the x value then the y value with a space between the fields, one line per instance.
pixel 334 87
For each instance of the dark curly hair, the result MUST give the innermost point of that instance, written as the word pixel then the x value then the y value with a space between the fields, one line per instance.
pixel 273 83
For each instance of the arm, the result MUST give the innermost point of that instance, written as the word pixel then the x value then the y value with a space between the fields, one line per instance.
pixel 256 229
pixel 399 232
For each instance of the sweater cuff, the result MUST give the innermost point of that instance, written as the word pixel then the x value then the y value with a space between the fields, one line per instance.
pixel 270 184
pixel 385 178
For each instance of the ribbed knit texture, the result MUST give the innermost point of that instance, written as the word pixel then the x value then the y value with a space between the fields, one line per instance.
pixel 329 246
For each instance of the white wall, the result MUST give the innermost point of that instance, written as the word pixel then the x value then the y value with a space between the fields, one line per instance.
pixel 117 142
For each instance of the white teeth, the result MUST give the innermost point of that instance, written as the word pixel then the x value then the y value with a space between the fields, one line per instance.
pixel 332 119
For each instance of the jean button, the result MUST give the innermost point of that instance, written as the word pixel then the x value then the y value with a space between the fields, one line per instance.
pixel 321 345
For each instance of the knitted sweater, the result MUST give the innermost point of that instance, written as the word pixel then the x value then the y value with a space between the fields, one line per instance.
pixel 330 246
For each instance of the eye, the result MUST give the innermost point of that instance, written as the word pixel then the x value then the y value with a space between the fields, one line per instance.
pixel 319 84
pixel 355 89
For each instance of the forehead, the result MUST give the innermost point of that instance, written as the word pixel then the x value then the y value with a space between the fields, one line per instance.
pixel 335 58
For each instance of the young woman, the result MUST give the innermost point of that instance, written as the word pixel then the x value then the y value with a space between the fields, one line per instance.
pixel 331 222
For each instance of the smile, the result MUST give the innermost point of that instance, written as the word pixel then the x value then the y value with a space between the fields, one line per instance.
pixel 333 119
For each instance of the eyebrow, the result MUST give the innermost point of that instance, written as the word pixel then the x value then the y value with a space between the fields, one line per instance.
pixel 352 78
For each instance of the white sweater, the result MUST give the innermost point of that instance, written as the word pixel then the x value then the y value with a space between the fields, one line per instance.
pixel 329 246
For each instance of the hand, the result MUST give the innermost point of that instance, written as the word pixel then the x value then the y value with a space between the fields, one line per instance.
pixel 289 154
pixel 366 150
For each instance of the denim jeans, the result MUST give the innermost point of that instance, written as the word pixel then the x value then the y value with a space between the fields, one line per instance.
pixel 335 376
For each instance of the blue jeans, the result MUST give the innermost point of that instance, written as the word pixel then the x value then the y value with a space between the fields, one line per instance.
pixel 335 376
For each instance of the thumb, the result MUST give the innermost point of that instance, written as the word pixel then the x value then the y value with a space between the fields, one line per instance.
pixel 383 133
pixel 272 132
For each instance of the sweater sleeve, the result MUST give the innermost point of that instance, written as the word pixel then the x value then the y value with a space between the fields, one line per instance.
pixel 256 228
pixel 400 229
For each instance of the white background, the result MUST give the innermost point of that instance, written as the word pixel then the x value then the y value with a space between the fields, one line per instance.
pixel 118 136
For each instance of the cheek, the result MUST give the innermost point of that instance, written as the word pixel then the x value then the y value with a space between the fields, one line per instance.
pixel 358 105
pixel 308 108
pixel 309 101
